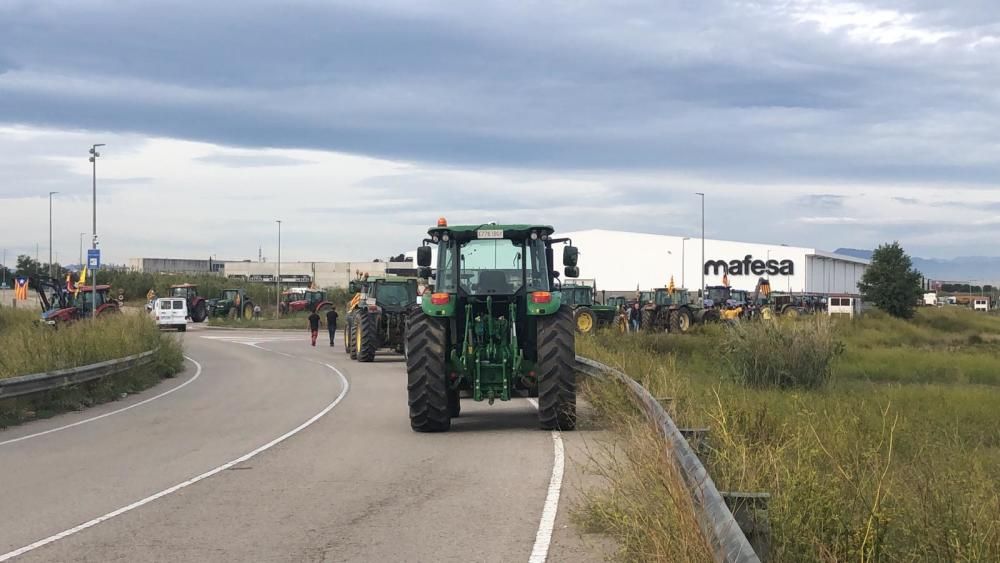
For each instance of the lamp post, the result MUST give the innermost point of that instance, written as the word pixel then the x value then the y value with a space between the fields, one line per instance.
pixel 702 290
pixel 277 279
pixel 50 232
pixel 683 240
pixel 81 250
pixel 93 281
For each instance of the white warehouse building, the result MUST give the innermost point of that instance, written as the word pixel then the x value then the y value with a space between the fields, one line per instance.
pixel 623 261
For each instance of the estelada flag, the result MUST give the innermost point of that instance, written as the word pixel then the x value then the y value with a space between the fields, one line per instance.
pixel 725 279
pixel 21 289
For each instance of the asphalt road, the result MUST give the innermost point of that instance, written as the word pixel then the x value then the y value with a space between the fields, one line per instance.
pixel 266 449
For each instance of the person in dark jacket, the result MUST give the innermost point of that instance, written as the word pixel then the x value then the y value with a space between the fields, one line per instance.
pixel 635 317
pixel 331 323
pixel 314 326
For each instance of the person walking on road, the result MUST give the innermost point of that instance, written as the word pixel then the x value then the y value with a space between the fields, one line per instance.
pixel 314 326
pixel 331 323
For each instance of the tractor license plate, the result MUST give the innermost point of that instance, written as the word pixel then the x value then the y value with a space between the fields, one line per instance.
pixel 489 233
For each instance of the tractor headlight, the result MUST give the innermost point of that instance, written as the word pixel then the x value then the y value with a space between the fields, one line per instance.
pixel 534 235
pixel 445 238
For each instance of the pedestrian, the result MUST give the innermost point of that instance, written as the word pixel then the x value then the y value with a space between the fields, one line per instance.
pixel 331 323
pixel 314 326
pixel 635 316
pixel 256 312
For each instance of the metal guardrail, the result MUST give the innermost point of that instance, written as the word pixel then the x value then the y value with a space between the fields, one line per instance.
pixel 36 382
pixel 729 543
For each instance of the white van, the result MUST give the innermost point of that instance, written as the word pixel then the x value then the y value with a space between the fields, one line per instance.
pixel 170 312
pixel 980 304
pixel 849 306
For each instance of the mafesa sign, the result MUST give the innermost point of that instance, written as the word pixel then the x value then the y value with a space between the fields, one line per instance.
pixel 750 266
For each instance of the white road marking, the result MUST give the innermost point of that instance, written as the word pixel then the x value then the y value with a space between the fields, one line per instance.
pixel 107 414
pixel 189 482
pixel 540 551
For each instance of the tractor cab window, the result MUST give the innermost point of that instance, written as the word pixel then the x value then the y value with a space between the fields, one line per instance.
pixel 393 294
pixel 502 267
pixel 87 300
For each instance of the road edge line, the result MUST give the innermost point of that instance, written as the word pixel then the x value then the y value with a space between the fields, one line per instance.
pixel 107 414
pixel 91 523
pixel 546 525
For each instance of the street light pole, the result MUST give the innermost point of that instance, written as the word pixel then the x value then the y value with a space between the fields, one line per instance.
pixel 683 240
pixel 50 232
pixel 702 242
pixel 93 280
pixel 81 250
pixel 277 279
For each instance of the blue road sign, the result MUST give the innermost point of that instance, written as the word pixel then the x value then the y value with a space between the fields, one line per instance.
pixel 93 258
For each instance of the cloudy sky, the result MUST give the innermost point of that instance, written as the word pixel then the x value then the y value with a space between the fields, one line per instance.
pixel 806 122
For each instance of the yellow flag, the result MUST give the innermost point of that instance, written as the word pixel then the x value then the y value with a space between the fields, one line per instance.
pixel 83 280
pixel 671 287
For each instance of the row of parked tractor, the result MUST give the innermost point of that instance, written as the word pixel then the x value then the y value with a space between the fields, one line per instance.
pixel 677 310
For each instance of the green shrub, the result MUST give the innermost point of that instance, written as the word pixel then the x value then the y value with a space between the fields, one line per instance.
pixel 781 353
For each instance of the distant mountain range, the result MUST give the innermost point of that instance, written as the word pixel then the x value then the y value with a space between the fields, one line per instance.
pixel 958 269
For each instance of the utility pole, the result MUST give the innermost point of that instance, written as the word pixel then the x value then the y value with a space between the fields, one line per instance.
pixel 93 281
pixel 277 279
pixel 50 233
pixel 81 250
pixel 702 290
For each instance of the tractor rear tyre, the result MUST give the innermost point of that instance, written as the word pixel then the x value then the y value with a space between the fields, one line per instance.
pixel 454 403
pixel 680 321
pixel 584 318
pixel 556 371
pixel 427 375
pixel 199 313
pixel 711 316
pixel 791 312
pixel 349 339
pixel 367 337
pixel 647 319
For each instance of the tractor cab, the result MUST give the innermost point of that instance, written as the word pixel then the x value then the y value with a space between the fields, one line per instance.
pixel 186 291
pixel 663 297
pixel 578 295
pixel 85 300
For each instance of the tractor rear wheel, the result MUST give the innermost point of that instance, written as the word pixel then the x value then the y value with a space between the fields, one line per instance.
pixel 791 312
pixel 349 339
pixel 454 403
pixel 711 316
pixel 584 317
pixel 426 374
pixel 367 337
pixel 199 313
pixel 680 321
pixel 647 319
pixel 556 371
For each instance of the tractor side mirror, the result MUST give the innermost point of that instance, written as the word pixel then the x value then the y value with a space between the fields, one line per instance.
pixel 571 255
pixel 572 272
pixel 424 256
pixel 424 272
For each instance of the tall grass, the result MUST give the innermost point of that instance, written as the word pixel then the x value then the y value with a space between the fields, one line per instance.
pixel 782 353
pixel 28 347
pixel 857 469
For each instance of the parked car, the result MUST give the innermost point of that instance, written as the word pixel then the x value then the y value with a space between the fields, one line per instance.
pixel 171 312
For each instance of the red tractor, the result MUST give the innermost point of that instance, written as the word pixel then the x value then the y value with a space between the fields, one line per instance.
pixel 295 301
pixel 65 304
pixel 197 305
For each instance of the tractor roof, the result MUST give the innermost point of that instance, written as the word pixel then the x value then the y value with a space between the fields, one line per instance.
pixel 86 288
pixel 468 232
pixel 183 286
pixel 390 278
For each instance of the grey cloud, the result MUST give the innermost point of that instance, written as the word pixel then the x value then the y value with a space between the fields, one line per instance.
pixel 822 201
pixel 251 161
pixel 907 200
pixel 655 85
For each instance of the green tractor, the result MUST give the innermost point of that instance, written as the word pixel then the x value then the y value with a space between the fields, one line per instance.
pixel 376 316
pixel 232 302
pixel 588 314
pixel 674 311
pixel 494 324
